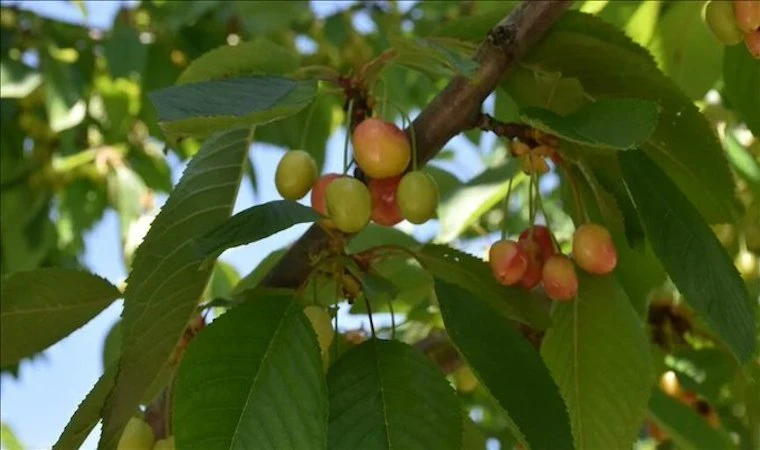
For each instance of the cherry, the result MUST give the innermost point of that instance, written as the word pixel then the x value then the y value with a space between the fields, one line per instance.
pixel 752 41
pixel 295 175
pixel 518 148
pixel 532 275
pixel 508 262
pixel 349 204
pixel 719 17
pixel 533 163
pixel 381 148
pixel 417 197
pixel 559 278
pixel 384 208
pixel 747 14
pixel 137 435
pixel 165 444
pixel 318 192
pixel 593 249
pixel 542 237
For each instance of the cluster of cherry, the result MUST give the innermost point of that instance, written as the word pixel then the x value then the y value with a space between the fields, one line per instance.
pixel 735 21
pixel 534 258
pixel 382 151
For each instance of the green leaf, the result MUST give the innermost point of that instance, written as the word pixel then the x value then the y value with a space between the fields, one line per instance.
pixel 597 346
pixel 609 65
pixel 166 282
pixel 8 439
pixel 687 428
pixel 472 437
pixel 643 22
pixel 253 224
pixel 200 109
pixel 607 123
pixel 473 274
pixel 253 279
pixel 36 313
pixel 551 91
pixel 63 94
pixel 125 53
pixel 744 163
pixel 372 234
pixel 87 414
pixel 18 79
pixel 476 26
pixel 686 49
pixel 253 379
pixel 126 191
pixel 257 57
pixel 466 205
pixel 741 75
pixel 691 253
pixel 388 395
pixel 438 56
pixel 507 365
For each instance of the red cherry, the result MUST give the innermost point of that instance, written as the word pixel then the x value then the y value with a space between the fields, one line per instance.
pixel 559 278
pixel 319 192
pixel 541 236
pixel 532 274
pixel 508 262
pixel 593 249
pixel 381 148
pixel 384 208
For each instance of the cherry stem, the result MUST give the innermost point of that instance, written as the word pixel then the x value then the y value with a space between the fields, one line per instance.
pixel 546 218
pixel 334 346
pixel 393 319
pixel 505 210
pixel 580 209
pixel 348 135
pixel 405 118
pixel 385 96
pixel 369 314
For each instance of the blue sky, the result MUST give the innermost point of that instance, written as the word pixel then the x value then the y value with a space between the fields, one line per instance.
pixel 38 405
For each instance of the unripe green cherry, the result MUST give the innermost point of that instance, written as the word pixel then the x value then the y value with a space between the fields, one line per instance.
pixel 719 17
pixel 165 444
pixel 593 249
pixel 137 435
pixel 417 197
pixel 349 204
pixel 295 175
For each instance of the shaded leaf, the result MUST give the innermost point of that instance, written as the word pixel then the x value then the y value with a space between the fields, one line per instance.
pixel 199 109
pixel 17 79
pixel 36 313
pixel 608 123
pixel 597 345
pixel 385 395
pixel 438 56
pixel 267 391
pixel 254 223
pixel 508 367
pixel 691 253
pixel 688 429
pixel 473 274
pixel 166 282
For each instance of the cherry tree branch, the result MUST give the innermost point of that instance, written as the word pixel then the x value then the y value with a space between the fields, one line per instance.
pixel 455 109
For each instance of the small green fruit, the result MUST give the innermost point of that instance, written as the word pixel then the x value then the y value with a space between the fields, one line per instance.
pixel 417 197
pixel 349 204
pixel 137 435
pixel 295 175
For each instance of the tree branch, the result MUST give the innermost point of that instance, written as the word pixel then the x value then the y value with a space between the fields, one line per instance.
pixel 455 109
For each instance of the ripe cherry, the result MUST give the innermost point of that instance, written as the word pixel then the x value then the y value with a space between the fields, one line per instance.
pixel 747 14
pixel 319 192
pixel 719 17
pixel 508 262
pixel 593 249
pixel 137 435
pixel 381 148
pixel 384 208
pixel 295 175
pixel 349 204
pixel 559 278
pixel 417 197
pixel 542 237
pixel 532 274
pixel 752 41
